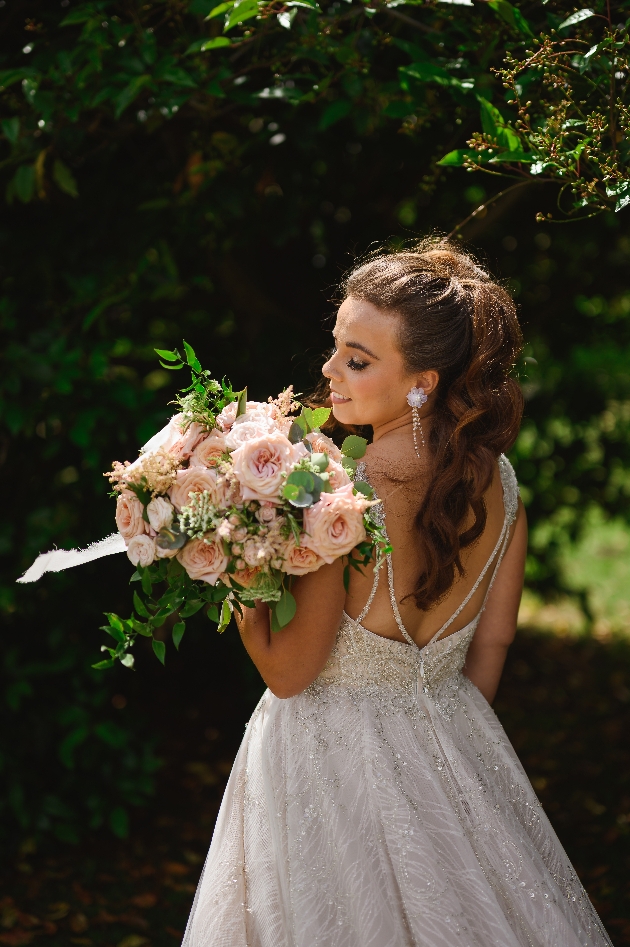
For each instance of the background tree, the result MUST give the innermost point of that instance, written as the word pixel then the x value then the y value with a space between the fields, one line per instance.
pixel 190 169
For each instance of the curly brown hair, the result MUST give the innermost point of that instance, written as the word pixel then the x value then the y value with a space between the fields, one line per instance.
pixel 456 320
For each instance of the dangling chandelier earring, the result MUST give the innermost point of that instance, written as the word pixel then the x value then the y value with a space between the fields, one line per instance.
pixel 416 398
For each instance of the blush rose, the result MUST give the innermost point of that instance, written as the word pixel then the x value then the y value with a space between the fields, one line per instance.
pixel 208 452
pixel 335 523
pixel 259 465
pixel 129 516
pixel 203 560
pixel 192 480
pixel 298 560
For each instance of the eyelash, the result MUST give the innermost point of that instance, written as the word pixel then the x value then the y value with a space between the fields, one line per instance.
pixel 353 364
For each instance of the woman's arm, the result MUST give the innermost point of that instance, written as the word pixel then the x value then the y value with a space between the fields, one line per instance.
pixel 497 627
pixel 290 659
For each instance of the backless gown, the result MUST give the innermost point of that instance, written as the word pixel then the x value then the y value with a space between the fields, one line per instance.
pixel 384 806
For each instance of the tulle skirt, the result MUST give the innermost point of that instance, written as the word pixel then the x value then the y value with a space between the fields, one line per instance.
pixel 375 819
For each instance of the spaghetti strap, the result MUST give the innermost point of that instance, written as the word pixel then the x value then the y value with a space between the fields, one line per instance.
pixel 510 505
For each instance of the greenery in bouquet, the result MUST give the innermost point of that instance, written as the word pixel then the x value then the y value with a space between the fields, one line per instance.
pixel 230 502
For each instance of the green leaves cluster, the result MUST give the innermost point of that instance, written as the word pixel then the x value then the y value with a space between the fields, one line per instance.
pixel 142 65
pixel 205 397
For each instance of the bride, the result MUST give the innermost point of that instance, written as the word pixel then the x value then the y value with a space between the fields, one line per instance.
pixel 376 800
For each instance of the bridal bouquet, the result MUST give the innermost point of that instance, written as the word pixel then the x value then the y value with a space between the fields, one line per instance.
pixel 230 501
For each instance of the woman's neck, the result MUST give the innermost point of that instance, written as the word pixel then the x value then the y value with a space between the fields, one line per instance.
pixel 396 424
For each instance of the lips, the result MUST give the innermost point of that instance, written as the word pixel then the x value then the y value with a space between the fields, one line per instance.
pixel 338 399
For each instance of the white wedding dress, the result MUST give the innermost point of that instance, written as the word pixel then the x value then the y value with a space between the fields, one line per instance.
pixel 385 807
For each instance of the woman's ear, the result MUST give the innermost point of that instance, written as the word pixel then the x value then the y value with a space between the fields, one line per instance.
pixel 428 380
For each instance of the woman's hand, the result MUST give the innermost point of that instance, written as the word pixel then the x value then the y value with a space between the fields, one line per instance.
pixel 290 659
pixel 497 626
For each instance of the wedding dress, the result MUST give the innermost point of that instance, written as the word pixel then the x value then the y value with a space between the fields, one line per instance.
pixel 385 807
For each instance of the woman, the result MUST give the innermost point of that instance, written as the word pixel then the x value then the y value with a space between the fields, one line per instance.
pixel 376 800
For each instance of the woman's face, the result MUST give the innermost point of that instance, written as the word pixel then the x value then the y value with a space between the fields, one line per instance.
pixel 369 382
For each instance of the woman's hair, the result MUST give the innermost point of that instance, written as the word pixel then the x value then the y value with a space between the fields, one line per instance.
pixel 456 320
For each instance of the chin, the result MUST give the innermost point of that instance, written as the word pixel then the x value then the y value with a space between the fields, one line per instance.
pixel 346 414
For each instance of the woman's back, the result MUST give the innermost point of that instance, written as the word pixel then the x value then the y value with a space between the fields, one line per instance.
pixel 400 483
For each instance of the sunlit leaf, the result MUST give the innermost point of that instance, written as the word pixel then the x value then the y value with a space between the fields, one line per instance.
pixel 576 17
pixel 354 446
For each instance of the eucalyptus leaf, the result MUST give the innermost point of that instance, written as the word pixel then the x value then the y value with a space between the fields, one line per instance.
pixel 354 446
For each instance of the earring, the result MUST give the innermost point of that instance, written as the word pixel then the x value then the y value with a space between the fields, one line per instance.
pixel 416 398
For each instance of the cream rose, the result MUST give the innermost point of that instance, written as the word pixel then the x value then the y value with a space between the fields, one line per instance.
pixel 193 480
pixel 208 452
pixel 129 516
pixel 203 560
pixel 248 427
pixel 141 550
pixel 227 417
pixel 335 523
pixel 298 560
pixel 260 463
pixel 160 513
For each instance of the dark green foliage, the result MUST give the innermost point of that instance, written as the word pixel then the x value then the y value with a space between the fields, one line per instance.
pixel 155 194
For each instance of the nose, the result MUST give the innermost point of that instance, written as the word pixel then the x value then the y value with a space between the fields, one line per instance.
pixel 328 368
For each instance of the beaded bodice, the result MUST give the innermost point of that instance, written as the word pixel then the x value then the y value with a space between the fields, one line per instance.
pixel 400 671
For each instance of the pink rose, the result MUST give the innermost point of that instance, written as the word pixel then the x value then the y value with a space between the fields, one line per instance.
pixel 260 463
pixel 129 516
pixel 141 550
pixel 337 476
pixel 193 480
pixel 335 523
pixel 324 445
pixel 245 577
pixel 203 560
pixel 188 440
pixel 208 451
pixel 160 513
pixel 298 560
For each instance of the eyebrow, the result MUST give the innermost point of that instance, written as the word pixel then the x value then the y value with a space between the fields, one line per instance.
pixel 361 348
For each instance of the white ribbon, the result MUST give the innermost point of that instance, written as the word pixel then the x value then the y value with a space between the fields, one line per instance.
pixel 59 559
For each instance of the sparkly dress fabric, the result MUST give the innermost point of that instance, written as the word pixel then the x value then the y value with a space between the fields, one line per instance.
pixel 385 807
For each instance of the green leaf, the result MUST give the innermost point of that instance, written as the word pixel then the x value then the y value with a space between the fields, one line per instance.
pixel 349 464
pixel 511 15
pixel 241 407
pixel 221 8
pixel 213 614
pixel 9 76
pixel 11 129
pixel 296 433
pixel 354 446
pixel 172 368
pixel 131 92
pixel 140 607
pixel 115 621
pixel 167 355
pixel 577 17
pixel 65 179
pixel 204 45
pixel 191 608
pixel 191 358
pixel 334 112
pixel 362 486
pixel 283 611
pixel 297 496
pixel 116 634
pixel 496 127
pixel 456 159
pixel 159 649
pixel 22 183
pixel 226 614
pixel 320 461
pixel 178 633
pixel 241 11
pixel 147 585
pixel 82 14
pixel 508 157
pixel 102 665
